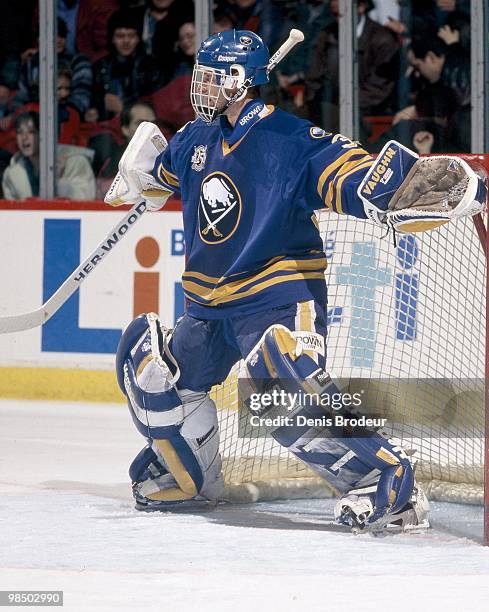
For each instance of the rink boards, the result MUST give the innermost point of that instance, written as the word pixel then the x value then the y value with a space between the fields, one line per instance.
pixel 387 304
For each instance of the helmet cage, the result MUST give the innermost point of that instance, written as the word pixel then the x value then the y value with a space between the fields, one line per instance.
pixel 211 88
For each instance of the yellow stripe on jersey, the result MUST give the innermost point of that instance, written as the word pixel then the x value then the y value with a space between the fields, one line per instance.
pixel 347 170
pixel 171 174
pixel 328 171
pixel 255 289
pixel 167 177
pixel 200 276
pixel 339 207
pixel 214 280
pixel 231 287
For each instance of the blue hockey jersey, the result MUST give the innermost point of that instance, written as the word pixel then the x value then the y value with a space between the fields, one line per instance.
pixel 248 196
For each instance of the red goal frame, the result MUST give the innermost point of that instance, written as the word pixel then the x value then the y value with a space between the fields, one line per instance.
pixel 481 225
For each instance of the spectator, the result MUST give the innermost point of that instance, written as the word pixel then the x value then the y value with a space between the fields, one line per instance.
pixel 185 51
pixel 261 16
pixel 63 87
pixel 68 118
pixel 15 37
pixel 456 31
pixel 427 126
pixel 439 63
pixel 385 11
pixel 434 14
pixel 78 65
pixel 21 179
pixel 159 22
pixel 5 157
pixel 311 18
pixel 127 73
pixel 108 152
pixel 5 106
pixel 378 56
pixel 86 22
pixel 222 21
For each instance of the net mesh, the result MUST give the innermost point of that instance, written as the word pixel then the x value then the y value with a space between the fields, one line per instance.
pixel 409 320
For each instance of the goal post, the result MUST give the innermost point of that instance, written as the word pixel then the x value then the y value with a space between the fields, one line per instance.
pixel 408 322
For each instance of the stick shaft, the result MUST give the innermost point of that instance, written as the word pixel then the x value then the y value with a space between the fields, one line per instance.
pixel 294 38
pixel 28 320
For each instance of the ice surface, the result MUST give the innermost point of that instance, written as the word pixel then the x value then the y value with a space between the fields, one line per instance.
pixel 67 522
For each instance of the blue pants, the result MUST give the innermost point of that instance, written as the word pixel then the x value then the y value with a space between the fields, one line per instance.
pixel 206 350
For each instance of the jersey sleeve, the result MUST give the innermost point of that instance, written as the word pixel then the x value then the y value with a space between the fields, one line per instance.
pixel 165 169
pixel 333 167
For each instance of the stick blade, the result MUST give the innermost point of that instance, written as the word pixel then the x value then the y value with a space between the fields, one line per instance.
pixel 24 321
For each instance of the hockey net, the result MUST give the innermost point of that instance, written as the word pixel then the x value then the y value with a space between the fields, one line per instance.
pixel 408 321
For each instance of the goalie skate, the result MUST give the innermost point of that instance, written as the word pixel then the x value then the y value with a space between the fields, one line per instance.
pixel 144 504
pixel 354 510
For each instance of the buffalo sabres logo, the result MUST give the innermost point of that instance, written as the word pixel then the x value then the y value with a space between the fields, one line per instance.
pixel 317 132
pixel 219 209
pixel 199 157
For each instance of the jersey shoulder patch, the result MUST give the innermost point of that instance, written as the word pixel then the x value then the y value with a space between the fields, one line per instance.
pixel 317 132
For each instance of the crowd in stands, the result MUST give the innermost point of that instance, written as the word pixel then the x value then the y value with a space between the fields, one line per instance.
pixel 121 62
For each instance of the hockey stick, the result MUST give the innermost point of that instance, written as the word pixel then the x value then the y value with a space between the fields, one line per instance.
pixel 28 320
pixel 295 37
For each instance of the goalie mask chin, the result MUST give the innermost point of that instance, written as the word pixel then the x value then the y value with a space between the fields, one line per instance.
pixel 226 62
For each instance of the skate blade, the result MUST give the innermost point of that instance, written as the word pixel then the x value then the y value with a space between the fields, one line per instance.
pixel 183 506
pixel 392 529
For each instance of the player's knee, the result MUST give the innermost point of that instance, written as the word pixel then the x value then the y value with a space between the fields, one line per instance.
pixel 146 373
pixel 284 354
pixel 291 362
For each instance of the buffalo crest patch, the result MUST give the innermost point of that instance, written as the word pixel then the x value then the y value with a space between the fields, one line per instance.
pixel 219 208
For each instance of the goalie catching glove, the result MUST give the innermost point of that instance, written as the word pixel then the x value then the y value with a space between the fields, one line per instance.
pixel 414 194
pixel 134 181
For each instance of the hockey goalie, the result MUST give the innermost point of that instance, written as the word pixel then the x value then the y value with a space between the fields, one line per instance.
pixel 250 177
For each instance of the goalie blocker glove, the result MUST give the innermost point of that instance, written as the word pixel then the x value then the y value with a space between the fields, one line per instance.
pixel 415 194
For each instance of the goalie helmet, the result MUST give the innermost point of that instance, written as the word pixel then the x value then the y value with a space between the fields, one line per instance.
pixel 225 62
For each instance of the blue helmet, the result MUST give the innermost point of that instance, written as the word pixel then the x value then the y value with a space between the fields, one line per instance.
pixel 236 47
pixel 228 60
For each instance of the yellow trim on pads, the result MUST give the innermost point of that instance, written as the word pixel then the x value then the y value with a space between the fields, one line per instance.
pixel 420 225
pixel 169 495
pixel 60 384
pixel 176 467
pixel 306 323
pixel 386 456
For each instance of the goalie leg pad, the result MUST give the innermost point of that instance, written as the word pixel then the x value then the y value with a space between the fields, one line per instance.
pixel 345 458
pixel 182 461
